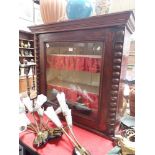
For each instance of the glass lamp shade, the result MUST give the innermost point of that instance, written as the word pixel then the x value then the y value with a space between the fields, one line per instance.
pixel 77 9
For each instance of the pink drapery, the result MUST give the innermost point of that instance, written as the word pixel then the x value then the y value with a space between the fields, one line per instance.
pixel 77 63
pixel 52 10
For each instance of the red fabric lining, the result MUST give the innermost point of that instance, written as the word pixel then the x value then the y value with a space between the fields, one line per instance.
pixel 77 63
pixel 95 144
pixel 73 95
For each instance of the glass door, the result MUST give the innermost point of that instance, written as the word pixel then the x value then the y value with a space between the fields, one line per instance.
pixel 74 68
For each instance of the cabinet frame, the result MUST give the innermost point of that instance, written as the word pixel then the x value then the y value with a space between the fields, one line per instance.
pixel 112 29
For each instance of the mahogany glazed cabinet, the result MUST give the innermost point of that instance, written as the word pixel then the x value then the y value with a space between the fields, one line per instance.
pixel 87 60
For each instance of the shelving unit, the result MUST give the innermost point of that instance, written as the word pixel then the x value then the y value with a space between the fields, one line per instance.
pixel 26 52
pixel 131 59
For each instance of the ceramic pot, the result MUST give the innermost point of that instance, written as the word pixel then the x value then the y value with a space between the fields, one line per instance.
pixel 102 6
pixel 52 10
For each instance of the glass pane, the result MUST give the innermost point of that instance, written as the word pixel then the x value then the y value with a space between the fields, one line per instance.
pixel 74 68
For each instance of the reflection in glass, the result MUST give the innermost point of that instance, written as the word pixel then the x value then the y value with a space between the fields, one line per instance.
pixel 74 68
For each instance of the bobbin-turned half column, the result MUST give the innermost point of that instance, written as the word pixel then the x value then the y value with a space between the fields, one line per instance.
pixel 116 72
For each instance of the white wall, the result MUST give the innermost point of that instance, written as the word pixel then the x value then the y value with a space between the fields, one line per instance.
pixel 29 14
pixel 121 5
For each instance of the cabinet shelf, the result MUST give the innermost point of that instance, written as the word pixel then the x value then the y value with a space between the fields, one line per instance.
pixel 79 55
pixel 26 40
pixel 26 48
pixel 24 77
pixel 26 56
pixel 29 64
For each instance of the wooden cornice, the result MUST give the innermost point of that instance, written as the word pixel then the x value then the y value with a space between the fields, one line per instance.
pixel 125 19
